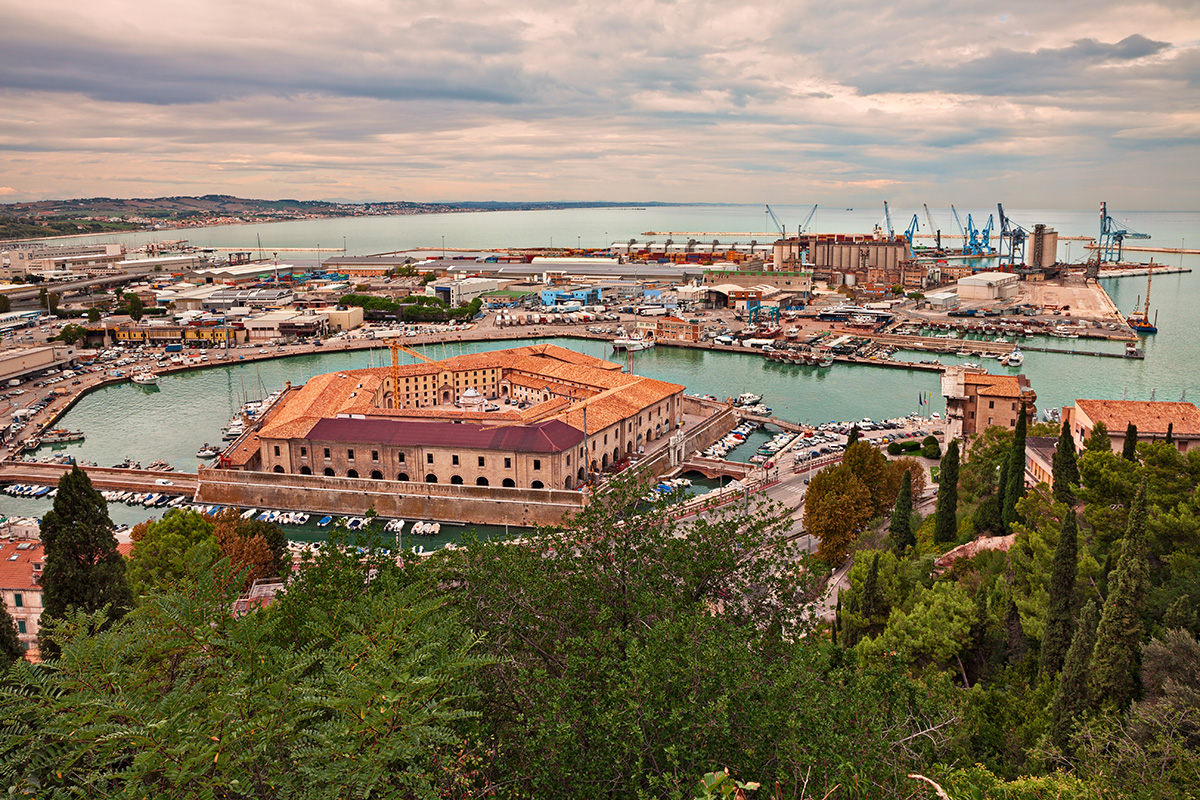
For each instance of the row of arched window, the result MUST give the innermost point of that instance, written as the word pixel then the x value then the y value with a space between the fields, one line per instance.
pixel 376 475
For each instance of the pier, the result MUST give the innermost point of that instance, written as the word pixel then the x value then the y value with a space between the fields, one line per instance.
pixel 136 480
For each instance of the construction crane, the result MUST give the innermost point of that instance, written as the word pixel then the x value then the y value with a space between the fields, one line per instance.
pixel 933 226
pixel 958 222
pixel 1012 240
pixel 1113 236
pixel 804 225
pixel 887 217
pixel 775 219
pixel 395 346
pixel 912 230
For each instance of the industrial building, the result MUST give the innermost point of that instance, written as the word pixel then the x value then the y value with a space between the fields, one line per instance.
pixel 988 286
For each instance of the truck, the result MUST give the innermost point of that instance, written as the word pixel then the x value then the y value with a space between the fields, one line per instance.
pixel 173 348
pixel 652 311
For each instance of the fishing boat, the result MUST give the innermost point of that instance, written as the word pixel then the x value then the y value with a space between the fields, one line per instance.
pixel 748 399
pixel 208 451
pixel 146 378
pixel 323 521
pixel 633 343
pixel 1014 359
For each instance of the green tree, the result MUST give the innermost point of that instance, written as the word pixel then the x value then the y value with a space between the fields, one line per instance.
pixel 1071 697
pixel 134 305
pixel 1170 434
pixel 836 508
pixel 1060 623
pixel 1099 441
pixel 872 603
pixel 934 631
pixel 900 530
pixel 168 550
pixel 93 315
pixel 1065 467
pixel 867 463
pixel 852 437
pixel 946 525
pixel 11 649
pixel 1129 448
pixel 72 333
pixel 83 570
pixel 1015 489
pixel 1119 635
pixel 5 304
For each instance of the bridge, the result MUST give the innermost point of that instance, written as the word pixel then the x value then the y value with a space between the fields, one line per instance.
pixel 135 480
pixel 717 467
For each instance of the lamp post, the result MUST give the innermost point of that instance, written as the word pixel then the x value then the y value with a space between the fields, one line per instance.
pixel 443 248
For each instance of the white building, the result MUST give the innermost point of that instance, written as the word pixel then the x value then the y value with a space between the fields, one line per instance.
pixel 988 286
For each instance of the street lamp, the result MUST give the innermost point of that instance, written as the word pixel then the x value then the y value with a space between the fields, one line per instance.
pixel 443 248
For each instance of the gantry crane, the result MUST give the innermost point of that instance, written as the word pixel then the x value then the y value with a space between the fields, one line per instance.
pixel 937 232
pixel 1012 240
pixel 778 224
pixel 911 233
pixel 887 217
pixel 804 225
pixel 1112 236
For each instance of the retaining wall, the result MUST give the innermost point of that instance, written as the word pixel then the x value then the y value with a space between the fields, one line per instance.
pixel 402 499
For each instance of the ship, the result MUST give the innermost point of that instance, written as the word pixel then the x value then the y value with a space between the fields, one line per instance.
pixel 634 343
pixel 1139 321
pixel 145 378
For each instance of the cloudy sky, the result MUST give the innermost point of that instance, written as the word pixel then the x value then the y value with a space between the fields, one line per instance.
pixel 1033 103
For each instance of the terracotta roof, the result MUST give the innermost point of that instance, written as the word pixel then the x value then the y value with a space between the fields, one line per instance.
pixel 551 436
pixel 1150 417
pixel 1043 446
pixel 995 385
pixel 17 573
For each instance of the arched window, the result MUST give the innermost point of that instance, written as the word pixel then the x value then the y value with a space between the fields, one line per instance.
pixel 403 476
pixel 604 462
pixel 278 468
pixel 580 474
pixel 481 481
pixel 536 485
pixel 376 475
pixel 431 478
pixel 616 454
pixel 352 473
pixel 567 482
pixel 329 472
pixel 509 483
pixel 456 480
pixel 305 471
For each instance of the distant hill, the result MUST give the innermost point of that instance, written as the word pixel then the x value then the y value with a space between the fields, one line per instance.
pixel 42 218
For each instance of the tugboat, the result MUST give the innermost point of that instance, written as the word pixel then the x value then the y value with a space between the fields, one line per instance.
pixel 1140 320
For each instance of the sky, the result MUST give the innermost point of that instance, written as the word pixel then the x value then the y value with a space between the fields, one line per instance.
pixel 1031 103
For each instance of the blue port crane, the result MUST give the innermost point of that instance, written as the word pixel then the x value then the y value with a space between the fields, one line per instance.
pixel 911 233
pixel 887 216
pixel 985 237
pixel 1112 236
pixel 1012 240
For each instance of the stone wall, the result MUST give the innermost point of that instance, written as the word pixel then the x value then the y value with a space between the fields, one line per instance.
pixel 405 500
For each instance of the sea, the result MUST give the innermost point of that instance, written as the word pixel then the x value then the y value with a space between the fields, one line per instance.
pixel 172 420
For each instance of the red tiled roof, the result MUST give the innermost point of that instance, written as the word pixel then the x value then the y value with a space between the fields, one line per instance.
pixel 1150 416
pixel 17 573
pixel 552 436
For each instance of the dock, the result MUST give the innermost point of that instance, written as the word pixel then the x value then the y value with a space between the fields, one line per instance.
pixel 41 473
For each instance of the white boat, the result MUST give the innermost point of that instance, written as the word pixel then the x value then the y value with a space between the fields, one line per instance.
pixel 748 399
pixel 208 451
pixel 1015 358
pixel 634 343
pixel 145 378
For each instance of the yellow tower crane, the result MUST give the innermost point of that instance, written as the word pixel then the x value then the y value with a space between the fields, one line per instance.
pixel 395 346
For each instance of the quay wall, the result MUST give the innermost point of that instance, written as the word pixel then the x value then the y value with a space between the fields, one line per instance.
pixel 402 499
pixel 136 480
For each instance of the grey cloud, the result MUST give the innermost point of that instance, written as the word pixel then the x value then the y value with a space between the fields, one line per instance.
pixel 1011 72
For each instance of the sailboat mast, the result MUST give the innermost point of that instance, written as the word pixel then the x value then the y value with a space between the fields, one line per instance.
pixel 1149 273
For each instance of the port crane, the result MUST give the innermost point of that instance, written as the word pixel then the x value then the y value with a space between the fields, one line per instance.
pixel 933 226
pixel 1112 236
pixel 804 225
pixel 778 224
pixel 887 216
pixel 985 237
pixel 1012 239
pixel 911 233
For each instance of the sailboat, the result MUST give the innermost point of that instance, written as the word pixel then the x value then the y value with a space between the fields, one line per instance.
pixel 1140 320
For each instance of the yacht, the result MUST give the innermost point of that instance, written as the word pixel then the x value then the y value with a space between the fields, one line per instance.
pixel 208 451
pixel 748 399
pixel 146 378
pixel 634 343
pixel 1014 359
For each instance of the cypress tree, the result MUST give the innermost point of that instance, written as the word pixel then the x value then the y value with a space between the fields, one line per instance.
pixel 901 530
pixel 1066 468
pixel 1170 433
pixel 945 528
pixel 1119 636
pixel 1099 441
pixel 1180 614
pixel 83 570
pixel 1071 697
pixel 837 619
pixel 11 648
pixel 1015 489
pixel 872 601
pixel 1017 643
pixel 852 437
pixel 1059 624
pixel 1129 449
